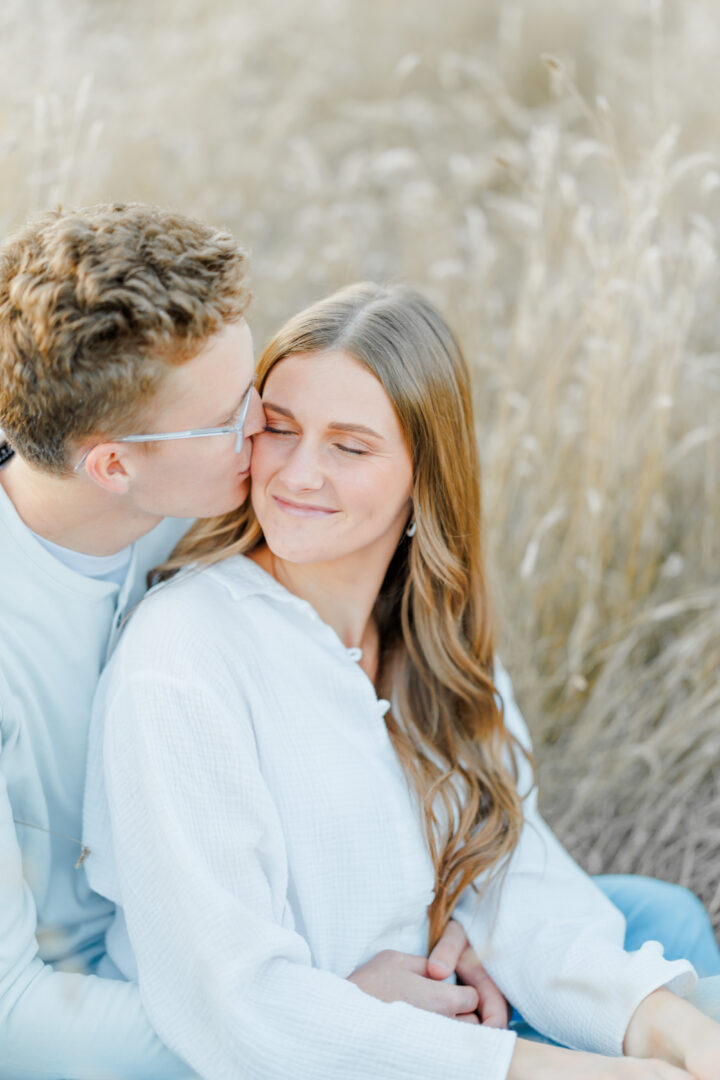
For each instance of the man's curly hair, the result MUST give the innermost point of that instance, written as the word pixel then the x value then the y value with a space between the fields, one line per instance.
pixel 95 305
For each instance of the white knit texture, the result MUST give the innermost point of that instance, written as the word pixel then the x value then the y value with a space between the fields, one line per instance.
pixel 265 844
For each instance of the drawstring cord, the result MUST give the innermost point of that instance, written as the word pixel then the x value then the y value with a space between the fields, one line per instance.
pixel 84 851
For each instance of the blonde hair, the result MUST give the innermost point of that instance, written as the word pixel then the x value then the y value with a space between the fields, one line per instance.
pixel 95 305
pixel 436 663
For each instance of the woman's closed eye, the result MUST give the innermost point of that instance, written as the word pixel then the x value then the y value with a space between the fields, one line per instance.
pixel 272 429
pixel 350 449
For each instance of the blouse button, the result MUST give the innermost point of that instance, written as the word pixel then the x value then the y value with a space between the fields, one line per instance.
pixel 355 653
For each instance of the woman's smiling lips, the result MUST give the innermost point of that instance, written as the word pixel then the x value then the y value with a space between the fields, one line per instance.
pixel 302 509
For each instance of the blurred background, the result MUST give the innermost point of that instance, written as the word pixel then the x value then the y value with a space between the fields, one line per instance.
pixel 548 172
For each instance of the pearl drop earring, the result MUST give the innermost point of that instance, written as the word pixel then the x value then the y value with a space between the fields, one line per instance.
pixel 411 529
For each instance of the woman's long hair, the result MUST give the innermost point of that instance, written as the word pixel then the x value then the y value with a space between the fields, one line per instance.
pixel 436 658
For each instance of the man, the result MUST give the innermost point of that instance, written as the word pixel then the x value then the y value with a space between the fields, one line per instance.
pixel 126 374
pixel 126 387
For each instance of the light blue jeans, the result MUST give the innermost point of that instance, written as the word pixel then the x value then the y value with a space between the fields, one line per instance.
pixel 657 910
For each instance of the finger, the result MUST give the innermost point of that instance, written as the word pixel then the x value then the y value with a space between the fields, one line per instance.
pixel 444 957
pixel 469 1018
pixel 453 1000
pixel 495 1013
pixel 493 1007
pixel 663 1071
pixel 392 960
pixel 408 962
pixel 655 1069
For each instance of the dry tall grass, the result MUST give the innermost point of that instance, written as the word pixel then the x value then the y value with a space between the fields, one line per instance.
pixel 548 171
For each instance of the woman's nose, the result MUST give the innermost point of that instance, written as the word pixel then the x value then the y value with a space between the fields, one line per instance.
pixel 301 470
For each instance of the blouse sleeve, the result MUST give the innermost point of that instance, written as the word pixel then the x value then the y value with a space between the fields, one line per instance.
pixel 544 915
pixel 202 872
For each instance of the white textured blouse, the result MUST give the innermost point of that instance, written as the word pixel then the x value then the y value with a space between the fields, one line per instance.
pixel 256 830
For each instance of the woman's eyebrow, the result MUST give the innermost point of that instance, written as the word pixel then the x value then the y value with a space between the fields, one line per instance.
pixel 359 428
pixel 336 425
pixel 277 408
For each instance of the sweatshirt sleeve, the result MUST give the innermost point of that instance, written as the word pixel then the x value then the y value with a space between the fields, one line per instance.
pixel 202 871
pixel 545 915
pixel 57 1025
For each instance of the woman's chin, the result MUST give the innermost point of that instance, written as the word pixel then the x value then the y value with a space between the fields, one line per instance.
pixel 296 548
pixel 299 556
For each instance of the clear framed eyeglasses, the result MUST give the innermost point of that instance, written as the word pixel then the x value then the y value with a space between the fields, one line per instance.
pixel 235 428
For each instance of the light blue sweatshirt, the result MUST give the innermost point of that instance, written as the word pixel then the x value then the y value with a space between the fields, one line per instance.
pixel 57 1022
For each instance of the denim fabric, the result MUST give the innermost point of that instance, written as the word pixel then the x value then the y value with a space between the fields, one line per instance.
pixel 660 911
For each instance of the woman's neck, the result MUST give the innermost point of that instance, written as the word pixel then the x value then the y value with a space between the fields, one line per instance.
pixel 343 593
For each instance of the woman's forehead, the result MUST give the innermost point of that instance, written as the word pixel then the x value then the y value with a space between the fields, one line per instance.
pixel 332 386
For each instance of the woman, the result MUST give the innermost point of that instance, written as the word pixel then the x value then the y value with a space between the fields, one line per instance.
pixel 306 759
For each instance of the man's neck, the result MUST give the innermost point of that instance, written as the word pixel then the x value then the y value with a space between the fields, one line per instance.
pixel 72 511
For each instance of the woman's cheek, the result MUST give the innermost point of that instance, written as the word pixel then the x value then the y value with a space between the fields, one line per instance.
pixel 260 465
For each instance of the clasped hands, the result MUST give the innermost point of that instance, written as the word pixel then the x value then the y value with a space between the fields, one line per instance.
pixel 418 980
pixel 667 1038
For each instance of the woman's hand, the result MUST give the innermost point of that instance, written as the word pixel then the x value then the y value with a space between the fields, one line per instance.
pixel 665 1026
pixel 396 976
pixel 453 952
pixel 667 1039
pixel 536 1061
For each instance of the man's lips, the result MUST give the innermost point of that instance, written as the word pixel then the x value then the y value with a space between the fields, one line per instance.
pixel 302 509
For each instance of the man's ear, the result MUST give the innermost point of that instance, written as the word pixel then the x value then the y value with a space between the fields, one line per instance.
pixel 105 464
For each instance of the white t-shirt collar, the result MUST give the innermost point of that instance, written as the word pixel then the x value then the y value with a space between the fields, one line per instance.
pixel 112 568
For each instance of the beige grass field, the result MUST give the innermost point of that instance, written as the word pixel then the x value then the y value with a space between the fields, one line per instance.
pixel 549 171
